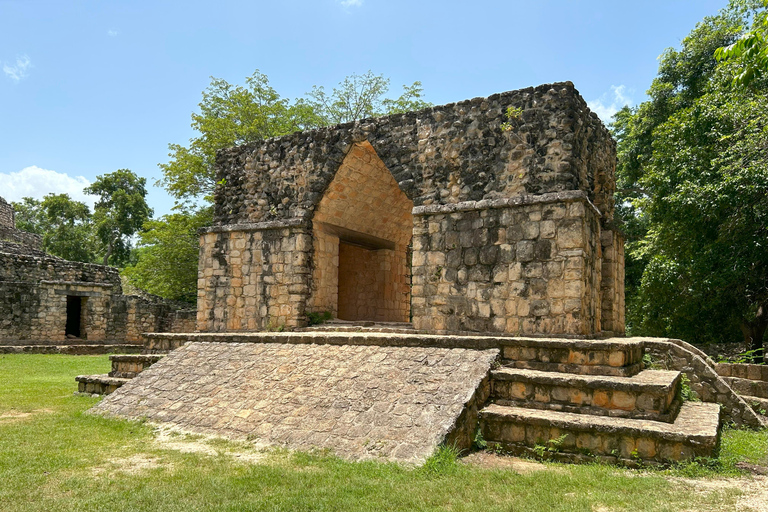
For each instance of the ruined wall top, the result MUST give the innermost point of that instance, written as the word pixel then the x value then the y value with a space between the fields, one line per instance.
pixel 442 155
pixel 6 215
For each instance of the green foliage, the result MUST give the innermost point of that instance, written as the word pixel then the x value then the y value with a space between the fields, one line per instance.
pixel 750 52
pixel 120 211
pixel 65 225
pixel 512 114
pixel 233 114
pixel 693 195
pixel 686 393
pixel 545 450
pixel 319 318
pixel 443 462
pixel 167 255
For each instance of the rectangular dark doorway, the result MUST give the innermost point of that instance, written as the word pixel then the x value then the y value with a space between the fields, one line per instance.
pixel 74 316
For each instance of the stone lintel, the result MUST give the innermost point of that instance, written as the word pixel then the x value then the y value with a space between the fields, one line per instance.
pixel 257 226
pixel 522 200
pixel 76 283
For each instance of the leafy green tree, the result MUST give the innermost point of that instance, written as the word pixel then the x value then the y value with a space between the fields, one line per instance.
pixel 234 114
pixel 167 255
pixel 749 52
pixel 363 96
pixel 65 225
pixel 119 213
pixel 693 194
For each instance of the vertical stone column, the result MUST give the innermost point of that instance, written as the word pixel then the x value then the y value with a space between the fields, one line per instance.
pixel 612 284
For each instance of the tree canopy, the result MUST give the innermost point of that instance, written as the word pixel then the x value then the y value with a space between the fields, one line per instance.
pixel 693 193
pixel 65 225
pixel 234 114
pixel 120 211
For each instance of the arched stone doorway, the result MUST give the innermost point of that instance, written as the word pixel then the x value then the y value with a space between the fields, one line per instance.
pixel 362 228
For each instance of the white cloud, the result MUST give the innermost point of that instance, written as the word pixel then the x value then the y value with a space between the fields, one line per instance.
pixel 611 102
pixel 351 3
pixel 112 33
pixel 36 182
pixel 18 71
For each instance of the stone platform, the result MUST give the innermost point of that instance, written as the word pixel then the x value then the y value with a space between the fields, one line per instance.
pixel 361 402
pixel 399 395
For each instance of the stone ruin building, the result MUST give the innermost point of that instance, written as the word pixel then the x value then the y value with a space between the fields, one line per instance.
pixel 468 255
pixel 49 304
pixel 457 218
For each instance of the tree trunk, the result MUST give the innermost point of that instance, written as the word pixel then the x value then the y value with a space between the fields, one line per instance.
pixel 107 254
pixel 753 333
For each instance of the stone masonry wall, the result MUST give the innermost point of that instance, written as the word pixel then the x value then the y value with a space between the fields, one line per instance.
pixel 33 302
pixel 254 277
pixel 442 155
pixel 612 282
pixel 6 215
pixel 521 267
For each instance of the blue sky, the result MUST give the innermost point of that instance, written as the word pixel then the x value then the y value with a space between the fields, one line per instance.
pixel 88 87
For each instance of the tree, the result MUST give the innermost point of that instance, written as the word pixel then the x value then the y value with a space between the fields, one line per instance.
pixel 167 255
pixel 233 114
pixel 65 225
pixel 120 212
pixel 693 194
pixel 363 96
pixel 749 52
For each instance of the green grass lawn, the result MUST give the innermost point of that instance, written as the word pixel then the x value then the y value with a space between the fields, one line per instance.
pixel 56 457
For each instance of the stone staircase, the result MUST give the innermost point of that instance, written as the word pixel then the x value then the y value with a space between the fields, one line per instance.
pixel 593 400
pixel 336 325
pixel 748 380
pixel 124 368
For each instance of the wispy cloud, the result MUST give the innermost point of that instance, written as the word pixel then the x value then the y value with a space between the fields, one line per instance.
pixel 112 32
pixel 611 102
pixel 351 3
pixel 19 70
pixel 35 182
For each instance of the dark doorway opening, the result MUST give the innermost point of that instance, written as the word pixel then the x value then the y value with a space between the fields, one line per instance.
pixel 74 327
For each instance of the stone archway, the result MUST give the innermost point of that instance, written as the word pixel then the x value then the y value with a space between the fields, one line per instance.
pixel 362 228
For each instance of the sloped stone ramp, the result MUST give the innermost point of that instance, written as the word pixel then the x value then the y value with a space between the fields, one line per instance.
pixel 361 402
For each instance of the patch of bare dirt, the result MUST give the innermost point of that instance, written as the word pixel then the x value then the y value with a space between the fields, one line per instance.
pixel 171 438
pixel 13 415
pixel 754 489
pixel 132 465
pixel 489 460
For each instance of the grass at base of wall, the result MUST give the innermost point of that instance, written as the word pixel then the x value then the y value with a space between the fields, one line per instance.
pixel 55 456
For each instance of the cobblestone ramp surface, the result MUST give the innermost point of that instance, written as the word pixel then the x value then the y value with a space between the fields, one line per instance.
pixel 359 401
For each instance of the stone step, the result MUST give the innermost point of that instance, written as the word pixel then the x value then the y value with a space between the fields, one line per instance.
pixel 743 371
pixel 585 438
pixel 614 357
pixel 128 366
pixel 344 328
pixel 759 405
pixel 71 349
pixel 648 395
pixel 748 387
pixel 98 384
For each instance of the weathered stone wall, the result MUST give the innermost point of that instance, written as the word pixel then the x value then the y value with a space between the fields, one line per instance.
pixel 442 155
pixel 6 215
pixel 488 255
pixel 34 288
pixel 254 277
pixel 524 266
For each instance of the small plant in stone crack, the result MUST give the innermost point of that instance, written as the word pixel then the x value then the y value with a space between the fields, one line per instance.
pixel 512 114
pixel 686 393
pixel 479 441
pixel 551 446
pixel 319 318
pixel 437 274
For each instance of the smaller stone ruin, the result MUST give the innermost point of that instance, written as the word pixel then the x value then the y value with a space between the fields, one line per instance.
pixel 47 301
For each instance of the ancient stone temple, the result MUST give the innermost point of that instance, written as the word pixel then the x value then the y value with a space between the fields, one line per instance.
pixel 471 249
pixel 491 215
pixel 51 304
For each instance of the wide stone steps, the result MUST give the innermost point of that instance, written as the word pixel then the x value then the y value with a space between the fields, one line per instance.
pixel 362 326
pixel 584 437
pixel 620 358
pixel 78 350
pixel 748 387
pixel 650 394
pixel 124 368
